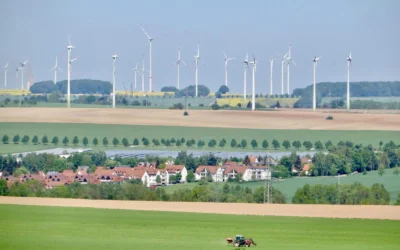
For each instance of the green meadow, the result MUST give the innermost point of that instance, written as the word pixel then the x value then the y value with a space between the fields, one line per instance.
pixel 36 227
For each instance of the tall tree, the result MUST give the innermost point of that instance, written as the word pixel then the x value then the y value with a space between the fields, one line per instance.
pixel 35 139
pixel 276 144
pixel 5 139
pixel 115 141
pixel 45 140
pixel 190 176
pixel 16 139
pixel 54 140
pixel 125 142
pixel 243 143
pixel 75 141
pixel 233 143
pixel 65 141
pixel 265 144
pixel 85 141
pixel 254 144
pixel 95 141
pixel 135 142
pixel 25 139
pixel 286 144
pixel 105 142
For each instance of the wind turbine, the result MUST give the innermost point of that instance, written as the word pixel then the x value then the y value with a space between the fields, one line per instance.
pixel 55 68
pixel 282 63
pixel 315 60
pixel 150 42
pixel 136 70
pixel 69 47
pixel 289 60
pixel 23 64
pixel 253 96
pixel 143 70
pixel 349 59
pixel 197 60
pixel 5 74
pixel 178 62
pixel 272 66
pixel 114 57
pixel 16 82
pixel 246 67
pixel 226 68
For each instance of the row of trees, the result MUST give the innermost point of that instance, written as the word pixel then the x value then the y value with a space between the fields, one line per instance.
pixel 134 190
pixel 338 89
pixel 286 144
pixel 349 194
pixel 80 86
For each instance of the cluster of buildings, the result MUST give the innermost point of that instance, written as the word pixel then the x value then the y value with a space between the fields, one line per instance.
pixel 151 176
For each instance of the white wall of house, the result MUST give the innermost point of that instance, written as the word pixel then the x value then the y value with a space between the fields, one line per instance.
pixel 184 174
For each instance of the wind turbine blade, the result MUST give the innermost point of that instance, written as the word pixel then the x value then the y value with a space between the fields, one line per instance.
pixel 59 69
pixel 183 62
pixel 53 68
pixel 145 32
pixel 293 62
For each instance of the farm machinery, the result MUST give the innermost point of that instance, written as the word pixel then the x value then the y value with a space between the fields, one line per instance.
pixel 241 241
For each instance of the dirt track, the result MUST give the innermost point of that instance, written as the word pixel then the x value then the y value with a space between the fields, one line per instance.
pixel 322 211
pixel 283 119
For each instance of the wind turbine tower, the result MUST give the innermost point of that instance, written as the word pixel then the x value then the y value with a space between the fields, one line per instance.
pixel 69 47
pixel 289 60
pixel 150 43
pixel 197 60
pixel 178 62
pixel 114 57
pixel 349 59
pixel 5 74
pixel 226 68
pixel 315 60
pixel 282 63
pixel 55 68
pixel 246 67
pixel 253 96
pixel 270 80
pixel 22 73
pixel 136 70
pixel 143 70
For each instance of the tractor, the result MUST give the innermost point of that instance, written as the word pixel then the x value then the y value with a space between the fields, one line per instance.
pixel 241 241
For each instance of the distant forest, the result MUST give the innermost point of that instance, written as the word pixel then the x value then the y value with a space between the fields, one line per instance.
pixel 83 86
pixel 338 89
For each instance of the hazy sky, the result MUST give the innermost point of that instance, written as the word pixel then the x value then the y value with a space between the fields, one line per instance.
pixel 38 29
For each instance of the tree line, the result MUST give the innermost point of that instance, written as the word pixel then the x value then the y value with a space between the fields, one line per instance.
pixel 168 142
pixel 346 194
pixel 339 89
pixel 135 190
pixel 80 86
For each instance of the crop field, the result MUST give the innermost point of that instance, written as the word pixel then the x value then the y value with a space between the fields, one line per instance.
pixel 168 132
pixel 234 101
pixel 289 186
pixel 39 227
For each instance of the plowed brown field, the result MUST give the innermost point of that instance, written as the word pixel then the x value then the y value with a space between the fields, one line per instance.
pixel 282 119
pixel 322 211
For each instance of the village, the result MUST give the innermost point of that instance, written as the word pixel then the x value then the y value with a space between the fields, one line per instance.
pixel 151 176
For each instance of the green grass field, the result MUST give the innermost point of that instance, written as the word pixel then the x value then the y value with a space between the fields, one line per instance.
pixel 33 227
pixel 289 186
pixel 168 132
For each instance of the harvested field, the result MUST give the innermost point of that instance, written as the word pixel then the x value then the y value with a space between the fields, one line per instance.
pixel 282 119
pixel 320 211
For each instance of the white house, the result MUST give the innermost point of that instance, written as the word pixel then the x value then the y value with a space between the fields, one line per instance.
pixel 176 169
pixel 215 172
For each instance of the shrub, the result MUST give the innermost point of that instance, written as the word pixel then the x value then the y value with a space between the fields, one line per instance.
pixel 329 117
pixel 186 113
